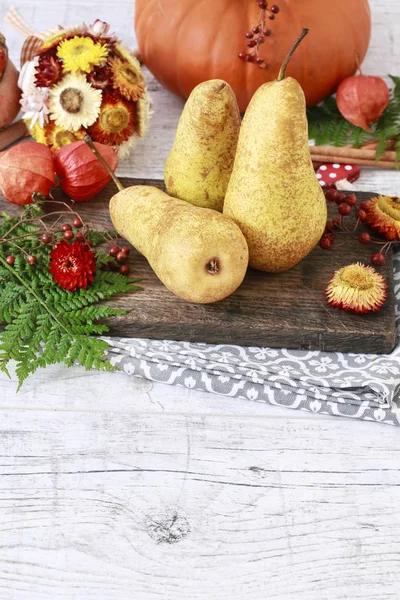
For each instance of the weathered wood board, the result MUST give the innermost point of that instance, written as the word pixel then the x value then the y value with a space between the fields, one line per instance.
pixel 286 310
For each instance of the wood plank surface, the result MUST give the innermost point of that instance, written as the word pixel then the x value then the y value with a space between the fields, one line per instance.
pixel 277 310
pixel 130 506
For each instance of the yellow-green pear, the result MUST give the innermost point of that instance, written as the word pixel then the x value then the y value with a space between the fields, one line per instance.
pixel 200 163
pixel 199 254
pixel 273 194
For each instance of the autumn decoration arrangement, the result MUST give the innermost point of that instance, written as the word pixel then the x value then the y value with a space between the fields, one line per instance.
pixel 83 80
pixel 252 193
pixel 230 184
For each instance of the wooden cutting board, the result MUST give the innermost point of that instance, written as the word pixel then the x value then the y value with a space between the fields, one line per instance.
pixel 286 310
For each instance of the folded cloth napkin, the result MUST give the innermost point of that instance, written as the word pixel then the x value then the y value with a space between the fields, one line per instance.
pixel 349 385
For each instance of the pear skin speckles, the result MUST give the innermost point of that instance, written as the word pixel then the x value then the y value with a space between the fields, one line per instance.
pixel 273 194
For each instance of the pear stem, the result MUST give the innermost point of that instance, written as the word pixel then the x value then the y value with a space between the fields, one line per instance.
pixel 282 72
pixel 105 164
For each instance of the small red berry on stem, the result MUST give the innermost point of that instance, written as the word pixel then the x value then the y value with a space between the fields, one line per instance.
pixel 125 249
pixel 77 223
pixel 364 238
pixel 362 215
pixel 121 257
pixel 325 242
pixel 378 259
pixel 262 4
pixel 30 259
pixel 114 250
pixel 364 205
pixel 344 209
pixel 242 55
pixel 351 200
pixel 331 195
pixel 275 9
pixel 124 270
pixel 272 17
pixel 46 238
pixel 10 260
pixel 66 227
pixel 80 236
pixel 249 35
pixel 68 235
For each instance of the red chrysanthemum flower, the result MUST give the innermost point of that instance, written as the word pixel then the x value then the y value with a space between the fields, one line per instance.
pixel 72 265
pixel 48 71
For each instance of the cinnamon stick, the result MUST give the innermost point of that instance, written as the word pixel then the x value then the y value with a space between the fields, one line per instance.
pixel 321 159
pixel 12 134
pixel 343 154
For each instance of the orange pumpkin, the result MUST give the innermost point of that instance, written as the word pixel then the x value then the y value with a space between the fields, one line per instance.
pixel 185 42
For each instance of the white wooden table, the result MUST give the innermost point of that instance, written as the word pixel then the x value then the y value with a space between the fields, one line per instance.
pixel 115 488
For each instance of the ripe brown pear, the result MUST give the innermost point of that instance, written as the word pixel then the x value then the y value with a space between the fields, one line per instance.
pixel 200 163
pixel 273 194
pixel 199 254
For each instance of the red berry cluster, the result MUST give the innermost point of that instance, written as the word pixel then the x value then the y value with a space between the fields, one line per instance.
pixel 121 256
pixel 77 231
pixel 257 35
pixel 65 232
pixel 345 206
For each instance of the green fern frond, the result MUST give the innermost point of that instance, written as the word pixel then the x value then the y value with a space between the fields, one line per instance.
pixel 45 324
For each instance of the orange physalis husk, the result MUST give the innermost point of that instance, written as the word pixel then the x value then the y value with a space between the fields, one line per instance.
pixel 25 169
pixel 362 99
pixel 81 174
pixel 358 288
pixel 383 215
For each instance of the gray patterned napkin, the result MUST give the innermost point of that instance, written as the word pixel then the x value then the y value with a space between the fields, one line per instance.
pixel 349 385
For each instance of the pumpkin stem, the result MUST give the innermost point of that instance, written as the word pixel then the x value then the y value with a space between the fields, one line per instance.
pixel 282 72
pixel 105 164
pixel 221 87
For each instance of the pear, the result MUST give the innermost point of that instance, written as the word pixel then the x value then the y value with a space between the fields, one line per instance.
pixel 199 254
pixel 273 194
pixel 200 163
